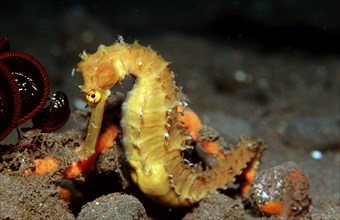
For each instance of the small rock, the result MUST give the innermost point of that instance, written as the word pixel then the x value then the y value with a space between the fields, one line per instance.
pixel 217 206
pixel 108 161
pixel 281 191
pixel 113 206
pixel 112 161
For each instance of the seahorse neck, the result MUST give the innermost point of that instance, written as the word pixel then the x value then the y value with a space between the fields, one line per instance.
pixel 151 72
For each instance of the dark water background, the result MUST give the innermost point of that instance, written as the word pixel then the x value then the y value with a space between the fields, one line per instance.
pixel 55 29
pixel 266 68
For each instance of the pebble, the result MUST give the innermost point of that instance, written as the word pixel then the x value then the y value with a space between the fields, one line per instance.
pixel 284 187
pixel 113 206
pixel 317 155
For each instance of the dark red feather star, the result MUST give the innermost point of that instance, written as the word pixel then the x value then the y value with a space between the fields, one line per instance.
pixel 49 119
pixel 24 90
pixel 10 102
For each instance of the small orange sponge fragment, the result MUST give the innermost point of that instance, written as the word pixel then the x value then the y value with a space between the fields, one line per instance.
pixel 46 165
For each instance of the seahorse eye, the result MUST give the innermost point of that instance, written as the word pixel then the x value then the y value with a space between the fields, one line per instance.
pixel 93 97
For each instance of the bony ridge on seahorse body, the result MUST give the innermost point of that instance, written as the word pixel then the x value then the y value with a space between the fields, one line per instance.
pixel 153 137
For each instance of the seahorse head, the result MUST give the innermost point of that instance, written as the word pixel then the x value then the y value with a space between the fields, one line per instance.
pixel 101 71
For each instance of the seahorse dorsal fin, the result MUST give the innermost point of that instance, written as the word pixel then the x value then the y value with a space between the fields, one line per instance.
pixel 83 55
pixel 135 42
pixel 120 39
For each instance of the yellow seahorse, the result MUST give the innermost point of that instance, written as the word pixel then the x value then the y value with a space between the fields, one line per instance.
pixel 153 137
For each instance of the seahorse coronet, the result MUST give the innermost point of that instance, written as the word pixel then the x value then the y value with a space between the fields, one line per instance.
pixel 154 136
